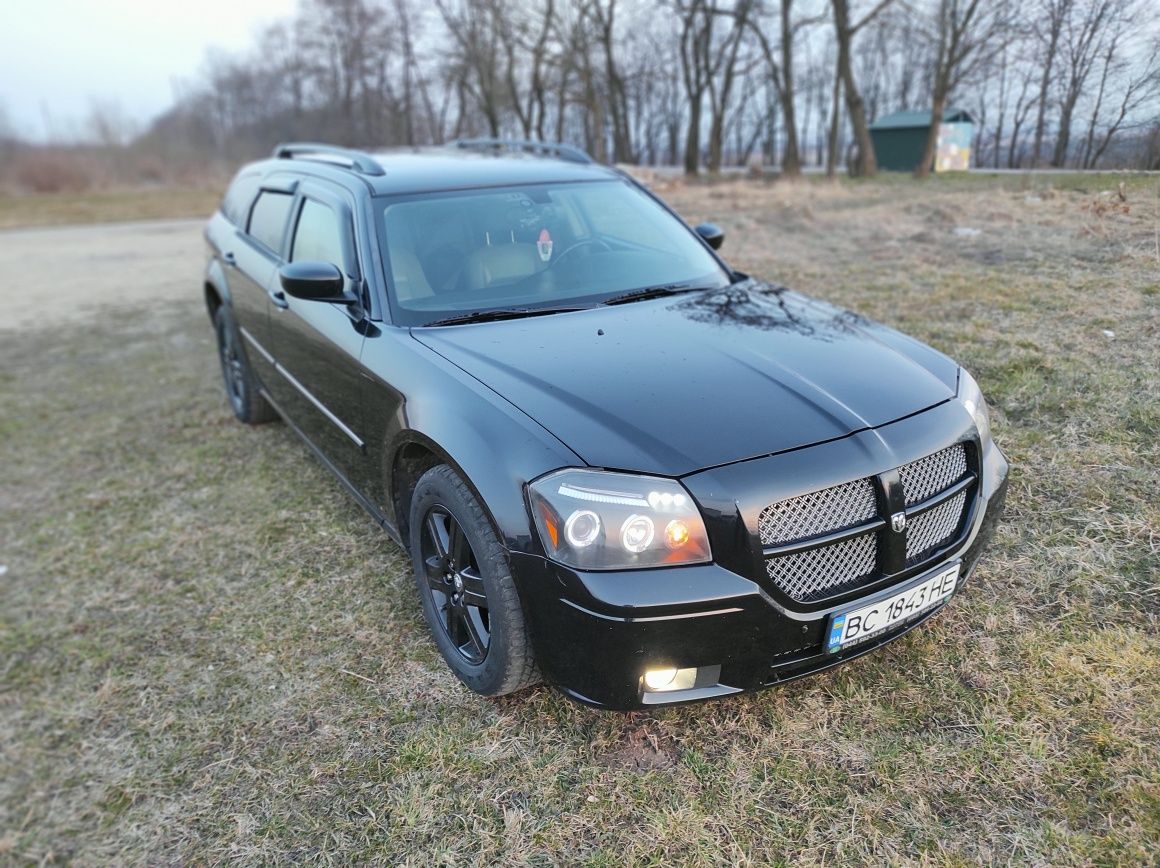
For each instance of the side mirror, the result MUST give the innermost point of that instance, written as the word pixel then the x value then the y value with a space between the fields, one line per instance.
pixel 713 234
pixel 314 281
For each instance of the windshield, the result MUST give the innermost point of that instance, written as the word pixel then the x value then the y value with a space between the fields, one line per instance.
pixel 534 246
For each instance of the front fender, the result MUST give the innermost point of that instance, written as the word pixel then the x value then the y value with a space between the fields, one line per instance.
pixel 215 273
pixel 432 405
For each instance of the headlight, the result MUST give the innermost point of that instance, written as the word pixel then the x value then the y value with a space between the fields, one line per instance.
pixel 971 397
pixel 596 520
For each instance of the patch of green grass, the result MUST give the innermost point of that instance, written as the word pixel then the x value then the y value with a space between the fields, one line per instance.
pixel 209 654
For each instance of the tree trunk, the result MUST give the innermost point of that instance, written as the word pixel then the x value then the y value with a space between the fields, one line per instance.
pixel 1063 137
pixel 693 139
pixel 938 106
pixel 1091 133
pixel 1045 80
pixel 832 137
pixel 791 164
pixel 867 164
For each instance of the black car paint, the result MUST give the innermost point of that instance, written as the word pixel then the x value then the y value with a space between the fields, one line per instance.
pixel 638 387
pixel 749 394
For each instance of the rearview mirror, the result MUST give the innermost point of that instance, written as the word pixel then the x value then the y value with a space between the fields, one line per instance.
pixel 314 281
pixel 713 234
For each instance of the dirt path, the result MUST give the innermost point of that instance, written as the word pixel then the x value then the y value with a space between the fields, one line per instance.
pixel 70 274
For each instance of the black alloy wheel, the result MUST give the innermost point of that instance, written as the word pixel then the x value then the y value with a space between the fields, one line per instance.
pixel 456 585
pixel 465 585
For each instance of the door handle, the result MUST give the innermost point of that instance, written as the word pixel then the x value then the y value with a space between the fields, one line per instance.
pixel 229 259
pixel 279 299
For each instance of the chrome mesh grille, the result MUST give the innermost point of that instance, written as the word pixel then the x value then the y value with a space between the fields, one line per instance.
pixel 836 568
pixel 933 528
pixel 817 513
pixel 825 571
pixel 934 473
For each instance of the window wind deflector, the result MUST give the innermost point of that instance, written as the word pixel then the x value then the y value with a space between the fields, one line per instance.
pixel 654 292
pixel 502 313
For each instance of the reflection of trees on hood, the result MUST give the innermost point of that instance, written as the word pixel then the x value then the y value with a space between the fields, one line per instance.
pixel 769 308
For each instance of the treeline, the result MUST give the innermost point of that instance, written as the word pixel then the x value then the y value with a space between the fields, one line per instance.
pixel 697 83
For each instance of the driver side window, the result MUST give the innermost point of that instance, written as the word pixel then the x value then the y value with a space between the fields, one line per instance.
pixel 317 237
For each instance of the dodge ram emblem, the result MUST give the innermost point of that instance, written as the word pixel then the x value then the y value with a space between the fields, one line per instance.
pixel 898 522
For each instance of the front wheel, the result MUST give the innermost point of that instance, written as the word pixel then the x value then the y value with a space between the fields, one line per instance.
pixel 465 585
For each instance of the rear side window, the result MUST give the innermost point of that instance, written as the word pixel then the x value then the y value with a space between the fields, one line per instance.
pixel 239 196
pixel 317 237
pixel 268 219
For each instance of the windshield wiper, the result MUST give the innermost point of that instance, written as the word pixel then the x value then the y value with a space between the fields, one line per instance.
pixel 654 292
pixel 501 313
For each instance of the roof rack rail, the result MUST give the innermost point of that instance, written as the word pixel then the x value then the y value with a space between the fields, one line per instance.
pixel 332 154
pixel 552 149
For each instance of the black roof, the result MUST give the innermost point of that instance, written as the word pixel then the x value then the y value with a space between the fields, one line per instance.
pixel 431 169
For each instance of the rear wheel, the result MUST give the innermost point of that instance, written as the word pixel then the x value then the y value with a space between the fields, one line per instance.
pixel 241 384
pixel 465 584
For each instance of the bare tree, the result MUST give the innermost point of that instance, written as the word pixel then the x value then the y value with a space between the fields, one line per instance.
pixel 1140 85
pixel 604 19
pixel 968 33
pixel 781 77
pixel 1083 36
pixel 477 68
pixel 1049 17
pixel 696 37
pixel 712 81
pixel 723 75
pixel 844 32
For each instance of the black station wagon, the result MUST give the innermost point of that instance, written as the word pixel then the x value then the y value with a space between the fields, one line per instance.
pixel 616 462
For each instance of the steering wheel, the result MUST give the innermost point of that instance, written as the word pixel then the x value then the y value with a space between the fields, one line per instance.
pixel 583 242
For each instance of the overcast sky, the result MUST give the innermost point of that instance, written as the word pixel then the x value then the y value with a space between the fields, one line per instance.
pixel 56 56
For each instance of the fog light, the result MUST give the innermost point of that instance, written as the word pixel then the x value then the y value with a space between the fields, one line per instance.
pixel 661 680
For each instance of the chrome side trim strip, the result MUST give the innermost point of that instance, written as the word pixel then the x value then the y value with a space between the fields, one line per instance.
pixel 290 378
pixel 253 341
pixel 322 408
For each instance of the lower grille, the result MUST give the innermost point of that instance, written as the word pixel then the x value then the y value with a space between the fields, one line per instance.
pixel 818 573
pixel 791 526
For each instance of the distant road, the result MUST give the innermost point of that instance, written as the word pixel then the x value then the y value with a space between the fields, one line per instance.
pixel 68 274
pixel 731 171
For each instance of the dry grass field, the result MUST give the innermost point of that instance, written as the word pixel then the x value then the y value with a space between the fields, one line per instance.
pixel 209 654
pixel 19 210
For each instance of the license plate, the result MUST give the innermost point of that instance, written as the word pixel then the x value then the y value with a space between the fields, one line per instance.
pixel 859 625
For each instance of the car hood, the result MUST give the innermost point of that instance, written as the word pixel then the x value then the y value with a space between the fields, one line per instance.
pixel 679 384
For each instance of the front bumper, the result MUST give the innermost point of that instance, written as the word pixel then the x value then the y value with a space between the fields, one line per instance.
pixel 596 633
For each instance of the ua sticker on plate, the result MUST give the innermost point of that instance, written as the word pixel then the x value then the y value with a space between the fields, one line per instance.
pixel 544 245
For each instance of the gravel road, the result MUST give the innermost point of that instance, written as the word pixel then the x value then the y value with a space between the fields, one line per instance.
pixel 72 273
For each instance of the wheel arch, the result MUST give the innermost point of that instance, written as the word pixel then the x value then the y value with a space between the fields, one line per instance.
pixel 413 454
pixel 215 289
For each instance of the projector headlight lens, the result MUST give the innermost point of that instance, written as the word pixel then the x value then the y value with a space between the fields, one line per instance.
pixel 582 528
pixel 598 520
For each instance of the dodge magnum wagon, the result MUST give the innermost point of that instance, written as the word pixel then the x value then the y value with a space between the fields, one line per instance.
pixel 617 463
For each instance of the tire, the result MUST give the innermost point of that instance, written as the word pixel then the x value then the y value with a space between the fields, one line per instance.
pixel 241 384
pixel 466 588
